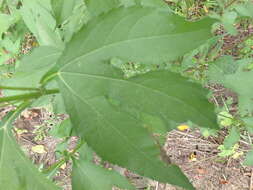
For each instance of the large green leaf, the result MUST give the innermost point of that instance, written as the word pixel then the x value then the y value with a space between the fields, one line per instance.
pixel 108 110
pixel 88 176
pixel 135 34
pixel 16 171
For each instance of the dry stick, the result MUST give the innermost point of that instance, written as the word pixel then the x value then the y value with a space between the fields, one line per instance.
pixel 157 185
pixel 251 180
pixel 189 167
pixel 229 4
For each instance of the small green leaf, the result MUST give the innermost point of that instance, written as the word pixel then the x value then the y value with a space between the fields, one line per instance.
pixel 5 22
pixel 42 24
pixel 249 124
pixel 232 138
pixel 33 66
pixel 235 76
pixel 249 159
pixel 245 9
pixel 228 19
pixel 62 130
pixel 71 15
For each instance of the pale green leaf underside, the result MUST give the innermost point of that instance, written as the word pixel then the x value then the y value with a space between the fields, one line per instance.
pixel 16 171
pixel 88 176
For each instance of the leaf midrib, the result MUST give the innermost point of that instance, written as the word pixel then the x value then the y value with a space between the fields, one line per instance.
pixel 141 86
pixel 99 114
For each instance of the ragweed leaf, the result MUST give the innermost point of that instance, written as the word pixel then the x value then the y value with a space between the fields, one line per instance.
pixel 106 109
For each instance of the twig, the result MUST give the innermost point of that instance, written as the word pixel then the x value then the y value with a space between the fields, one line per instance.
pixel 157 185
pixel 251 180
pixel 230 3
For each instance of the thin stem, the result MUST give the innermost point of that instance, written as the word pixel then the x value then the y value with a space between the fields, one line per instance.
pixel 17 88
pixel 28 96
pixel 52 169
pixel 230 3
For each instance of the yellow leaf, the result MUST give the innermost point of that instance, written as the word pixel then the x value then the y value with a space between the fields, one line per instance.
pixel 206 9
pixel 40 149
pixel 193 157
pixel 183 127
pixel 63 166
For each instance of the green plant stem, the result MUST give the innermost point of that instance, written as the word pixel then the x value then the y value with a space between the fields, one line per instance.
pixel 18 88
pixel 28 96
pixel 52 169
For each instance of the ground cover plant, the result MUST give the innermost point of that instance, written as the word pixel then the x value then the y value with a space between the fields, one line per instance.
pixel 118 76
